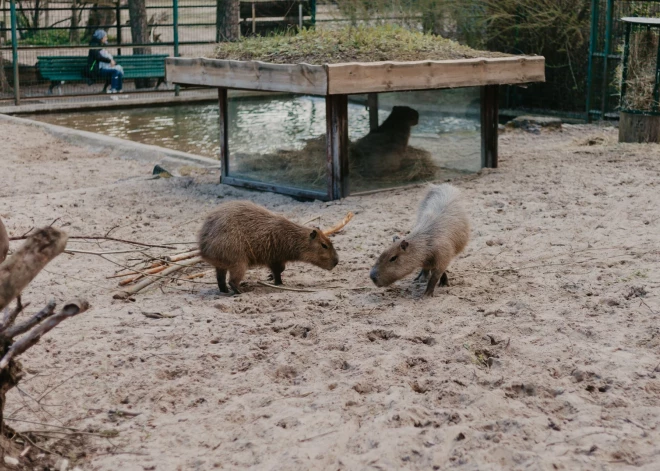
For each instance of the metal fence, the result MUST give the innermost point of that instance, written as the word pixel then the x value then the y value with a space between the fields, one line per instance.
pixel 29 31
pixel 606 52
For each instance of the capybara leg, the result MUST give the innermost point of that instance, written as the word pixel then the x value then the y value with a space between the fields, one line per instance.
pixel 433 281
pixel 221 276
pixel 277 269
pixel 422 276
pixel 444 280
pixel 236 274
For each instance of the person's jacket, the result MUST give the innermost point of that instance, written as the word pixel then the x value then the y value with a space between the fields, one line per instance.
pixel 93 59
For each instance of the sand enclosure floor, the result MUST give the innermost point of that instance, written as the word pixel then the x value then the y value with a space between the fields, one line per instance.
pixel 543 353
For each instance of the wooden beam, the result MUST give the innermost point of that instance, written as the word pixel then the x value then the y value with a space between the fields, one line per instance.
pixel 372 104
pixel 367 77
pixel 248 75
pixel 337 145
pixel 273 188
pixel 489 125
pixel 224 134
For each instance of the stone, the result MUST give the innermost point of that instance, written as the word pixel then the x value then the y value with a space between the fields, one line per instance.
pixel 534 123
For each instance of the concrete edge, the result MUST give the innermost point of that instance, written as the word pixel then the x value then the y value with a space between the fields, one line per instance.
pixel 115 146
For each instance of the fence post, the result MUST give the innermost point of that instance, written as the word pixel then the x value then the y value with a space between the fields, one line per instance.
pixel 14 54
pixel 175 22
pixel 592 49
pixel 606 55
pixel 118 19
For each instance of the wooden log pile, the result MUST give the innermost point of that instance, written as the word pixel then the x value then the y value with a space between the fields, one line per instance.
pixel 16 272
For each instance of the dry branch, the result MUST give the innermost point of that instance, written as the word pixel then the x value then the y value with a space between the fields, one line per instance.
pixel 4 242
pixel 125 293
pixel 69 310
pixel 21 268
pixel 19 329
pixel 338 227
pixel 113 239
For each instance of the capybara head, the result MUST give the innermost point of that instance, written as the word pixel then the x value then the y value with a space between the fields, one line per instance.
pixel 319 250
pixel 397 261
pixel 405 114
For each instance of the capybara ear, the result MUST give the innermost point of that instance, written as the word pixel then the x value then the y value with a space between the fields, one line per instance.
pixel 395 238
pixel 313 235
pixel 404 244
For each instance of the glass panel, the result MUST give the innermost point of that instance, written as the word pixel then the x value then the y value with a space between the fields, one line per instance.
pixel 278 139
pixel 422 136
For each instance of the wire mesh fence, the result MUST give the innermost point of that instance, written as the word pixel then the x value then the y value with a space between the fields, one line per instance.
pixel 606 52
pixel 582 40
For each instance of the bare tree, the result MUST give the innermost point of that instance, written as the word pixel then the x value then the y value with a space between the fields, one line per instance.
pixel 137 11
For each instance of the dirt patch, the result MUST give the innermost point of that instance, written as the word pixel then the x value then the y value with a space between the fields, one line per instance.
pixel 542 353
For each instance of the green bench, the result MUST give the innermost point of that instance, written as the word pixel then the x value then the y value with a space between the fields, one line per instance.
pixel 60 69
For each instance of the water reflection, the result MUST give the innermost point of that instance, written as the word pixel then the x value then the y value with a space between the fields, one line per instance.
pixel 257 125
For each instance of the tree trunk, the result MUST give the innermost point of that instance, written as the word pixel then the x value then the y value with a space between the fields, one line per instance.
pixel 227 20
pixel 4 237
pixel 137 11
pixel 4 84
pixel 639 128
pixel 74 32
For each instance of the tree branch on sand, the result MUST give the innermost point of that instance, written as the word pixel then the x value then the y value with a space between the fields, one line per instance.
pixel 16 272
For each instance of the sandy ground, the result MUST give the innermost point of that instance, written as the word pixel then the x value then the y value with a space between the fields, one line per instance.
pixel 544 353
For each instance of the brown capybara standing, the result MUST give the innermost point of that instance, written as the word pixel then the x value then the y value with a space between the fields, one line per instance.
pixel 240 234
pixel 382 150
pixel 4 242
pixel 441 232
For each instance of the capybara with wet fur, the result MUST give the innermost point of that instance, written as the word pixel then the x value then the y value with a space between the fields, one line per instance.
pixel 240 234
pixel 4 242
pixel 441 232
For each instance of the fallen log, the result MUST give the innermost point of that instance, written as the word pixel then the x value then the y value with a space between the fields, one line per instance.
pixel 20 269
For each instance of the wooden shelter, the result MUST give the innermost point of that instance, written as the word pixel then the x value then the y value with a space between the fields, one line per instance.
pixel 337 81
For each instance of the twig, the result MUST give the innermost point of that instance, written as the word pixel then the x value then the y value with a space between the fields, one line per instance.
pixel 284 288
pixel 51 224
pixel 159 267
pixel 40 423
pixel 10 316
pixel 114 239
pixel 338 227
pixel 195 275
pixel 313 219
pixel 89 252
pixel 69 310
pixel 644 303
pixel 45 450
pixel 316 436
pixel 19 329
pixel 125 293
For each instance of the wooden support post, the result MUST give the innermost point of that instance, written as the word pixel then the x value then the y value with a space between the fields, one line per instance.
pixel 489 123
pixel 254 19
pixel 337 145
pixel 372 104
pixel 224 134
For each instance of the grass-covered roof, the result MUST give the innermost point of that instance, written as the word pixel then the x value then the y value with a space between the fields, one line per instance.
pixel 350 44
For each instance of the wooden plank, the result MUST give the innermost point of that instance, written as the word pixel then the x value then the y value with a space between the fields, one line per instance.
pixel 372 104
pixel 224 134
pixel 273 188
pixel 337 145
pixel 489 125
pixel 370 77
pixel 248 75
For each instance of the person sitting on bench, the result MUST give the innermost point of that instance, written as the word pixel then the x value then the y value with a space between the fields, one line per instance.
pixel 101 63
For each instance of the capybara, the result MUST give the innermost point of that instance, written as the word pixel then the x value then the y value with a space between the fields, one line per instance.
pixel 382 150
pixel 240 234
pixel 4 242
pixel 441 232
